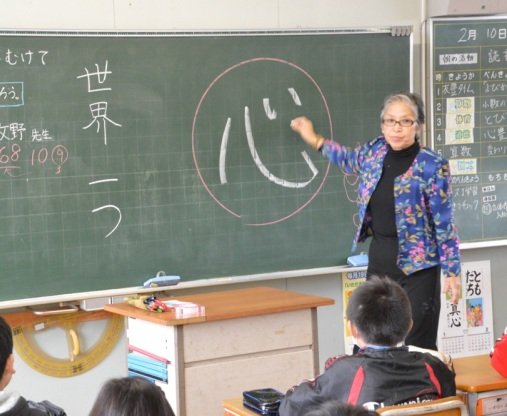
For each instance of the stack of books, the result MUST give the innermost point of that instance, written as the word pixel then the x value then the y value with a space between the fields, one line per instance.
pixel 153 355
pixel 147 365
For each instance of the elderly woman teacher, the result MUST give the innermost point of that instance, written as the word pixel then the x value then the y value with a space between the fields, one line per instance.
pixel 405 205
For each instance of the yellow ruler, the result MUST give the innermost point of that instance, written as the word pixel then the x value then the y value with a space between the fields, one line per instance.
pixel 26 325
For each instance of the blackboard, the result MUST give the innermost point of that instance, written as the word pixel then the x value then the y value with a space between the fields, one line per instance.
pixel 125 154
pixel 468 104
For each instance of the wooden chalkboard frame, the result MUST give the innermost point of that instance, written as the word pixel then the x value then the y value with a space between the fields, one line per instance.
pixel 458 28
pixel 109 294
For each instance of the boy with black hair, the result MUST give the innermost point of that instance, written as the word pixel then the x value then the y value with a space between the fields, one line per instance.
pixel 12 404
pixel 384 371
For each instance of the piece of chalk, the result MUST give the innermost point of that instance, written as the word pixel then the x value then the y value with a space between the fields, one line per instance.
pixel 161 281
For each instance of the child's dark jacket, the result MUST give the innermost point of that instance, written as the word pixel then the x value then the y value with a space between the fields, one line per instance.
pixel 375 377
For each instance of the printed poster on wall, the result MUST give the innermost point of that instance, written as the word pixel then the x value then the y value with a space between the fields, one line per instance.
pixel 350 280
pixel 466 329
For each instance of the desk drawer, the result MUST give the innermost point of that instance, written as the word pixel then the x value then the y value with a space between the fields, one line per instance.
pixel 236 337
pixel 207 384
pixel 493 405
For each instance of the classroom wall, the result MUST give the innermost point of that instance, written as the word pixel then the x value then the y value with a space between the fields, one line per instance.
pixel 463 7
pixel 76 394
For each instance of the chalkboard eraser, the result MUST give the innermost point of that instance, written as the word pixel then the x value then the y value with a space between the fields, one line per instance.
pixel 358 260
pixel 161 281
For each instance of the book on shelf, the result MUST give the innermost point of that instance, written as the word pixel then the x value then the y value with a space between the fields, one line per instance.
pixel 141 351
pixel 134 373
pixel 148 372
pixel 144 361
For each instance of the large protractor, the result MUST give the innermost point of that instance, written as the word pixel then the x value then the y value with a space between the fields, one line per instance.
pixel 26 327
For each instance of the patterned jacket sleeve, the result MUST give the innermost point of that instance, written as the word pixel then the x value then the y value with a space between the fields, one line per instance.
pixel 348 159
pixel 441 206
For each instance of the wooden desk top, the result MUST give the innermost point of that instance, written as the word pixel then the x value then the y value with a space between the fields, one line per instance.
pixel 229 304
pixel 235 407
pixel 475 374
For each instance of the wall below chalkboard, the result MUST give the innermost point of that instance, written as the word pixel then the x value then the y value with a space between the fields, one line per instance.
pixel 123 155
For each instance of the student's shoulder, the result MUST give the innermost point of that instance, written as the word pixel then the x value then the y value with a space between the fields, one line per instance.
pixel 439 356
pixel 332 360
pixel 344 360
pixel 22 408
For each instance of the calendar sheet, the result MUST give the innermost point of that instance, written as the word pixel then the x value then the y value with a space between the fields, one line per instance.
pixel 466 329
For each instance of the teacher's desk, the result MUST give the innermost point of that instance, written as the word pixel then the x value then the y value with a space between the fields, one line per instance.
pixel 247 339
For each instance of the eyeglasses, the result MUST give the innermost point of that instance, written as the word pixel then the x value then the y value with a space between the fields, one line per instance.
pixel 405 122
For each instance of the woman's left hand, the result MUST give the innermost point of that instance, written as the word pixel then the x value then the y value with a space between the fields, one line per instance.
pixel 453 285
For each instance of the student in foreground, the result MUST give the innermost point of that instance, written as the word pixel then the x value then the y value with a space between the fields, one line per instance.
pixel 384 371
pixel 131 396
pixel 11 403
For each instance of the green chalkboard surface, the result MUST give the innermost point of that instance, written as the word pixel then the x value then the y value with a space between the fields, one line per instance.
pixel 468 89
pixel 125 154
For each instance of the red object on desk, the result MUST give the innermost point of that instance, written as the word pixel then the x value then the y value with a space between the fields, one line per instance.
pixel 499 356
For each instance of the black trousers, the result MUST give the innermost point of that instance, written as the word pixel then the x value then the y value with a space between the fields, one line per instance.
pixel 423 290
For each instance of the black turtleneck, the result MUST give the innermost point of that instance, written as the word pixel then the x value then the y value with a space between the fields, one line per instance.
pixel 384 247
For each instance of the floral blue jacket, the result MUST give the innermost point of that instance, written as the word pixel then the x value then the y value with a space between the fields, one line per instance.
pixel 427 235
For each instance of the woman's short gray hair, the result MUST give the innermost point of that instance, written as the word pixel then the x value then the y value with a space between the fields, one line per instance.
pixel 414 101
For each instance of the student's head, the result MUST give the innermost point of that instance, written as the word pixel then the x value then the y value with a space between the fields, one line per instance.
pixel 336 408
pixel 379 312
pixel 131 396
pixel 6 356
pixel 401 119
